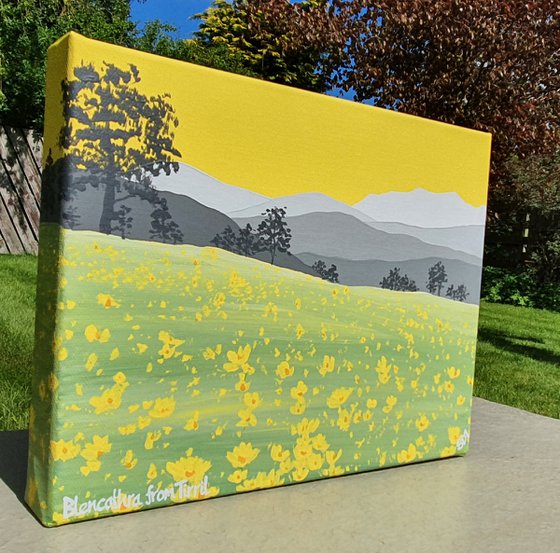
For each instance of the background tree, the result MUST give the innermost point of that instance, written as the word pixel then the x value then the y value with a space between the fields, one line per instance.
pixel 458 294
pixel 164 229
pixel 281 41
pixel 127 139
pixel 248 241
pixel 437 277
pixel 156 38
pixel 226 240
pixel 274 232
pixel 330 273
pixel 29 27
pixel 491 66
pixel 395 281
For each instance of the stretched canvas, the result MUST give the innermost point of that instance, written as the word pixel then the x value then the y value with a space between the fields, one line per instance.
pixel 242 285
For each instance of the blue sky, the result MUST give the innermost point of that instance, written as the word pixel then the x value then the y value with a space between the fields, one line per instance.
pixel 176 12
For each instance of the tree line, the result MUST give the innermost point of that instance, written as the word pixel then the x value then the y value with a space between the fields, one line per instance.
pixel 272 235
pixel 437 278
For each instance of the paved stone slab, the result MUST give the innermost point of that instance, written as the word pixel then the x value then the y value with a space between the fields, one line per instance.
pixel 503 497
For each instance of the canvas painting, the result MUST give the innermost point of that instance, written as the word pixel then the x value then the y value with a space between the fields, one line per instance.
pixel 242 286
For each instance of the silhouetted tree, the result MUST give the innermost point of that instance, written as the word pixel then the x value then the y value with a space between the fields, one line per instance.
pixel 124 222
pixel 325 273
pixel 226 240
pixel 274 232
pixel 248 241
pixel 116 138
pixel 164 229
pixel 437 277
pixel 458 294
pixel 395 281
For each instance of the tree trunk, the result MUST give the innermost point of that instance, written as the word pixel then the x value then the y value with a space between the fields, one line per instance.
pixel 108 214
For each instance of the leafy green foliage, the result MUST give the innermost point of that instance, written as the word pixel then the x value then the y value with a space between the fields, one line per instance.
pixel 29 27
pixel 519 287
pixel 155 37
pixel 280 41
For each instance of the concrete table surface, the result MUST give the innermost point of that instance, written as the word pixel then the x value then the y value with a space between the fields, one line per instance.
pixel 503 497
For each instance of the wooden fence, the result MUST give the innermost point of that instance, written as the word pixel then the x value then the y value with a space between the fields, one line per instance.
pixel 20 190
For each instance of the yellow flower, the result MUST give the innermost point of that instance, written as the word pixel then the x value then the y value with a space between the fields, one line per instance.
pixel 371 403
pixel 93 451
pixel 143 422
pixel 163 407
pixel 315 461
pixel 300 471
pixel 208 354
pixel 192 469
pixel 344 420
pixel 120 378
pixel 114 354
pixel 298 392
pixel 453 372
pixel 93 334
pixel 151 438
pixel 278 454
pixel 246 418
pixel 327 366
pixel 391 402
pixel 242 455
pixel 333 456
pixel 305 427
pixel 338 397
pixel 448 386
pixel 448 451
pixel 252 401
pixel 64 451
pixel 128 429
pixel 129 461
pixel 91 361
pixel 237 358
pixel 300 331
pixel 169 346
pixel 237 476
pixel 284 370
pixel 109 400
pixel 242 385
pixel 422 423
pixel 460 400
pixel 454 433
pixel 192 423
pixel 320 443
pixel 407 455
pixel 107 301
pixel 62 354
pixel 152 472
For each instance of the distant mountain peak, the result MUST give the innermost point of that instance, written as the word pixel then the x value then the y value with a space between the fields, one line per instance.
pixel 422 208
pixel 205 189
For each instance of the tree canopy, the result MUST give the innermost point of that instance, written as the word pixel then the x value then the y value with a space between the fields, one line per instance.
pixel 29 27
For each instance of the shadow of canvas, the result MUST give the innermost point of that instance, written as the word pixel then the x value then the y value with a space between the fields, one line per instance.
pixel 13 460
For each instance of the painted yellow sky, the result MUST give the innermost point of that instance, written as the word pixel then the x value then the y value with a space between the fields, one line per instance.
pixel 277 140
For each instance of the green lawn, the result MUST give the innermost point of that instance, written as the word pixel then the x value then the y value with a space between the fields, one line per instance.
pixel 518 359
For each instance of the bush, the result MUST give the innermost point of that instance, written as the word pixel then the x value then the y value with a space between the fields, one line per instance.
pixel 520 288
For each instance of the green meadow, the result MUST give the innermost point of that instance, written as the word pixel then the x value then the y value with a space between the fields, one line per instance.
pixel 185 364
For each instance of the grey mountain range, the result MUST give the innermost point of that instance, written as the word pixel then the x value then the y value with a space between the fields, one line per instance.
pixel 340 235
pixel 371 272
pixel 363 248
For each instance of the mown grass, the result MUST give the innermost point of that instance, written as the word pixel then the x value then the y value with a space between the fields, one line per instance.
pixel 518 357
pixel 17 315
